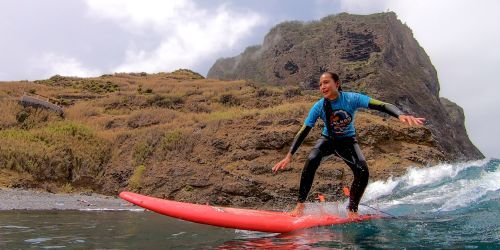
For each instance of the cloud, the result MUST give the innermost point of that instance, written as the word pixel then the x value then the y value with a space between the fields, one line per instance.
pixel 364 7
pixel 188 34
pixel 55 64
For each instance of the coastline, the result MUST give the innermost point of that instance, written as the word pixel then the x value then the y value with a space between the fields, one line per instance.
pixel 29 199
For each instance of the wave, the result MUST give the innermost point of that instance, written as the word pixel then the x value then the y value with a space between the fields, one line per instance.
pixel 444 187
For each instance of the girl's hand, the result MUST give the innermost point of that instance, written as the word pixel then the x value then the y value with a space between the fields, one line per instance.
pixel 283 163
pixel 412 120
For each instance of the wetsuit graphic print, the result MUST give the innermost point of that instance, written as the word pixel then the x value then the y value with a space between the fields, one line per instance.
pixel 340 120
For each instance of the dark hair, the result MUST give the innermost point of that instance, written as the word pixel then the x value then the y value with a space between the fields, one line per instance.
pixel 335 78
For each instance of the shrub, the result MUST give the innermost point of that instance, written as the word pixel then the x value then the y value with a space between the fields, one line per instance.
pixel 171 140
pixel 171 102
pixel 99 87
pixel 29 117
pixel 148 142
pixel 126 102
pixel 9 113
pixel 138 74
pixel 229 100
pixel 263 92
pixel 188 188
pixel 63 152
pixel 135 181
pixel 185 74
pixel 178 143
pixel 292 92
pixel 22 116
pixel 199 108
pixel 61 101
pixel 191 92
pixel 142 151
pixel 67 188
pixel 143 119
pixel 92 85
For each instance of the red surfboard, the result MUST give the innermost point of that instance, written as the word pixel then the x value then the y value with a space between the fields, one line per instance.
pixel 237 218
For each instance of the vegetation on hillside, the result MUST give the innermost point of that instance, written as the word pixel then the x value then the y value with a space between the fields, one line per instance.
pixel 78 148
pixel 180 136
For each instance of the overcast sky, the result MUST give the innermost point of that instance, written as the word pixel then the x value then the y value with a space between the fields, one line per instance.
pixel 39 39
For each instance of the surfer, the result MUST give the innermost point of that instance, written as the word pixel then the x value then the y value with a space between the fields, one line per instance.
pixel 337 109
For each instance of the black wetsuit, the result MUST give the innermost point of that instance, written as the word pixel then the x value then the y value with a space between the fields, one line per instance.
pixel 340 140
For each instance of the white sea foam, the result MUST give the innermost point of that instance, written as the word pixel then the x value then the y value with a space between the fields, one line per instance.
pixel 378 189
pixel 113 209
pixel 466 192
pixel 37 240
pixel 177 234
pixel 14 227
pixel 443 196
pixel 245 234
pixel 52 247
pixel 424 176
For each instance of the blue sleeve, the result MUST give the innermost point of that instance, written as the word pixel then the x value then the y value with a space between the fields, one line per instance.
pixel 362 101
pixel 314 113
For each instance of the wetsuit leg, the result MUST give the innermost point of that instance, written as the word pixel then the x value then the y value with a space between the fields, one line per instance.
pixel 320 150
pixel 351 153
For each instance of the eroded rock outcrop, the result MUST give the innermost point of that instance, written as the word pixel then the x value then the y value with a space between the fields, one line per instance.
pixel 375 54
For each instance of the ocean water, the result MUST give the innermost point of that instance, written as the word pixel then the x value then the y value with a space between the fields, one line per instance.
pixel 444 206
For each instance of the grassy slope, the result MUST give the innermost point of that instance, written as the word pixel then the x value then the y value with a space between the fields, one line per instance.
pixel 179 136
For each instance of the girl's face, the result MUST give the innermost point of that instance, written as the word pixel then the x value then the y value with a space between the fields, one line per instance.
pixel 327 86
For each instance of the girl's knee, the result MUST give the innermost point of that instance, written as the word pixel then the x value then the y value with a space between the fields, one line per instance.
pixel 362 171
pixel 314 156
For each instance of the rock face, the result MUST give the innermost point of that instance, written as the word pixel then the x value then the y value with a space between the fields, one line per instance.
pixel 373 54
pixel 457 126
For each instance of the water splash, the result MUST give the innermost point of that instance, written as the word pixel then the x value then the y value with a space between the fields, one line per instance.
pixel 444 187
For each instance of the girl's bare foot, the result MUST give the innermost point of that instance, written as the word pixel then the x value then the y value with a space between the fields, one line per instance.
pixel 298 210
pixel 352 215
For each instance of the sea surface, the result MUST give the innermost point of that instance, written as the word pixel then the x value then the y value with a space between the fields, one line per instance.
pixel 443 206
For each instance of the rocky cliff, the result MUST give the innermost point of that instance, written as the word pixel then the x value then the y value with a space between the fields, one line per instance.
pixel 374 54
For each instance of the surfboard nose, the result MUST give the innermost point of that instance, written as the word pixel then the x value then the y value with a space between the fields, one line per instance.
pixel 124 195
pixel 129 196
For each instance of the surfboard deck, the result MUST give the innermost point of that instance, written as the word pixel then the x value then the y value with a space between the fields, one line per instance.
pixel 238 218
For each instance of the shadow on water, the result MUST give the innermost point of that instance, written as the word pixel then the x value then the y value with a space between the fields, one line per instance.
pixel 302 239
